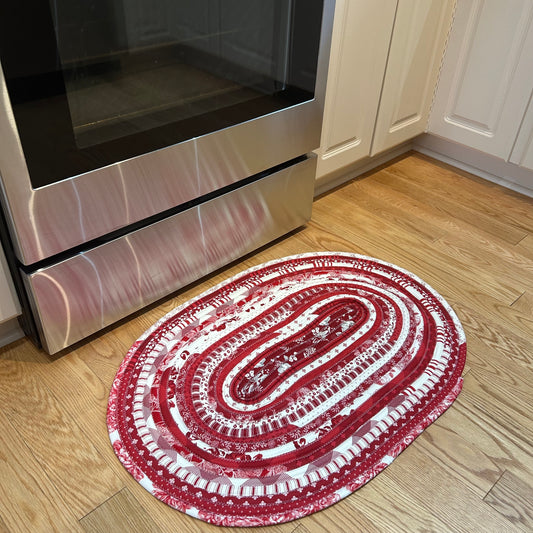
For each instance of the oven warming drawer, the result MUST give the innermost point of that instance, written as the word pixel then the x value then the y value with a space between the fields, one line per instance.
pixel 90 290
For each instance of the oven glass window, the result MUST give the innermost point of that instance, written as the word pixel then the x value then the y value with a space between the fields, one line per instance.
pixel 96 82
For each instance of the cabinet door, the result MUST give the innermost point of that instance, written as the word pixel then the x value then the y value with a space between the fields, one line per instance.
pixel 487 75
pixel 417 46
pixel 361 36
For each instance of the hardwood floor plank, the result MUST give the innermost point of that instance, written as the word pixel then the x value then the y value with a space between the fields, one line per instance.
pixel 104 354
pixel 301 529
pixel 506 448
pixel 83 397
pixel 454 227
pixel 58 443
pixel 339 518
pixel 392 208
pixel 392 508
pixel 474 449
pixel 516 272
pixel 3 527
pixel 506 406
pixel 503 317
pixel 498 202
pixel 524 303
pixel 362 223
pixel 495 335
pixel 459 207
pixel 510 422
pixel 513 498
pixel 120 514
pixel 460 239
pixel 526 246
pixel 442 495
pixel 492 367
pixel 167 520
pixel 28 500
pixel 323 239
pixel 459 454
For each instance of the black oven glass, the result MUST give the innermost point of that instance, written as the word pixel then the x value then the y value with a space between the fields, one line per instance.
pixel 93 82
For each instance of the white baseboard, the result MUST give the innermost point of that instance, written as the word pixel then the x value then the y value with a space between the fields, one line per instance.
pixel 10 331
pixel 478 163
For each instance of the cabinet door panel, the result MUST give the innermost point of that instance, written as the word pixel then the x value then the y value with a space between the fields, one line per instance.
pixel 487 75
pixel 420 31
pixel 361 36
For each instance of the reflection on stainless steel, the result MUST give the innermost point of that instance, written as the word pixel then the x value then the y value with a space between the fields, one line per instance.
pixel 240 152
pixel 93 289
pixel 93 204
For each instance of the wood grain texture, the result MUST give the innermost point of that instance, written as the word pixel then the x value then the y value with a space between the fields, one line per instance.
pixel 526 245
pixel 509 208
pixel 460 510
pixel 28 500
pixel 524 303
pixel 469 471
pixel 54 434
pixel 501 336
pixel 464 210
pixel 392 509
pixel 513 498
pixel 120 514
pixel 3 527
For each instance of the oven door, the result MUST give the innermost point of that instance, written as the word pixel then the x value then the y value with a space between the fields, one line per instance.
pixel 116 111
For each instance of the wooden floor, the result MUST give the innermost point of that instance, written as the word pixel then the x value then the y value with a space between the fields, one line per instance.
pixel 472 470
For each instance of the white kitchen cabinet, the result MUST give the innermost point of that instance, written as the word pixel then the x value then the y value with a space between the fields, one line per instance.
pixel 486 80
pixel 417 45
pixel 384 63
pixel 360 43
pixel 9 305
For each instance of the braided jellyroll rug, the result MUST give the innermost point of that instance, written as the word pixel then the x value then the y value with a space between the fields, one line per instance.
pixel 286 388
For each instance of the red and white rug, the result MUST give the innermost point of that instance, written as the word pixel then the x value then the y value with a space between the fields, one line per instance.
pixel 285 388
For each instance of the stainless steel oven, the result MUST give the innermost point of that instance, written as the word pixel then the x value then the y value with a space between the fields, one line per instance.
pixel 145 144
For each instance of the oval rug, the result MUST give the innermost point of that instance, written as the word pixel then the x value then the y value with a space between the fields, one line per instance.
pixel 284 389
